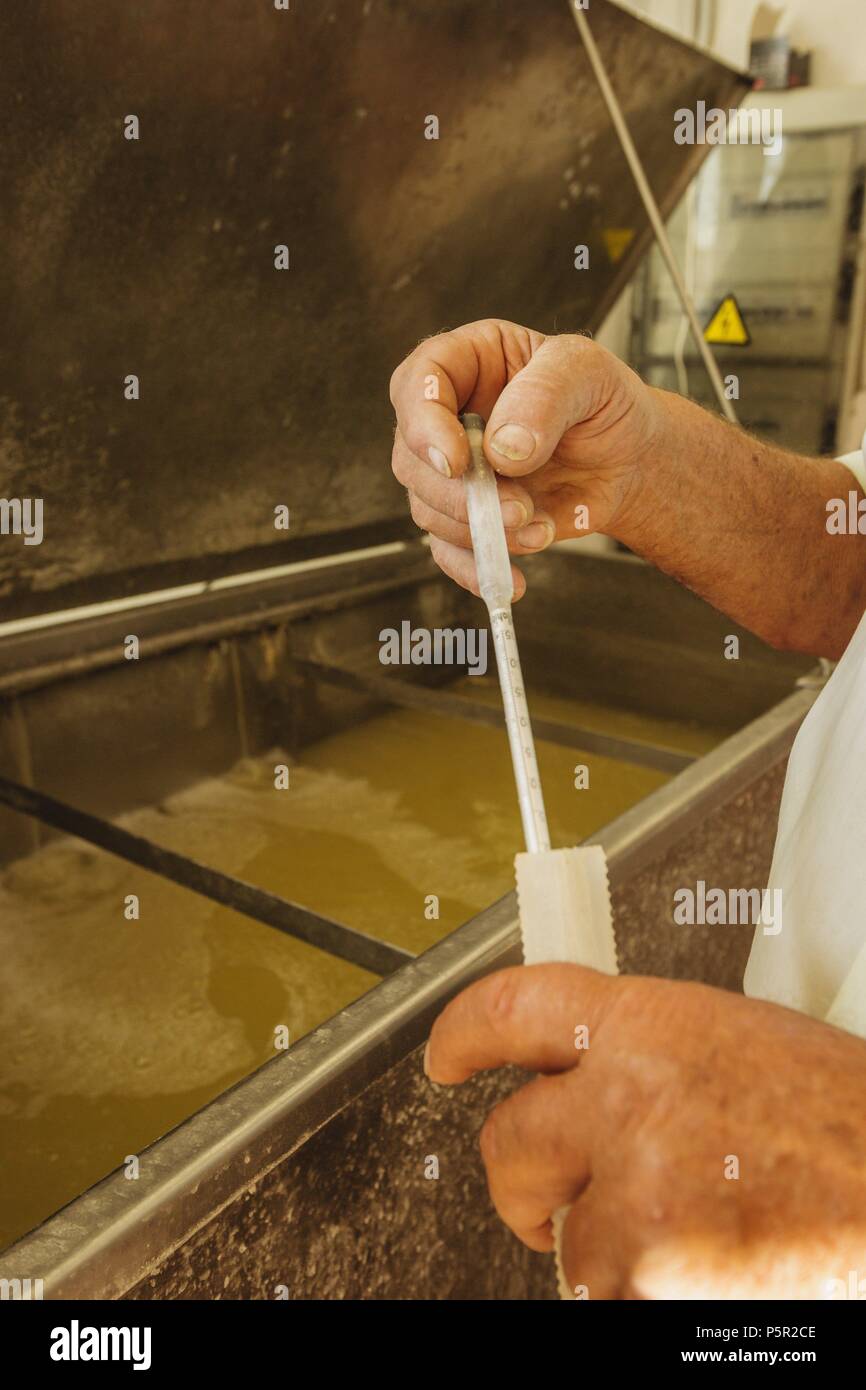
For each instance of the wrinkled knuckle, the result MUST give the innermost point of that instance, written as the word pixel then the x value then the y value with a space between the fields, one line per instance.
pixel 488 328
pixel 430 346
pixel 579 346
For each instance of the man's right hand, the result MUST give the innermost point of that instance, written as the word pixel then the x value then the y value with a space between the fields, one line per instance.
pixel 567 425
pixel 739 520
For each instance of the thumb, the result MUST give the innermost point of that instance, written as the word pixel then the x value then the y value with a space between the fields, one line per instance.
pixel 525 1016
pixel 566 381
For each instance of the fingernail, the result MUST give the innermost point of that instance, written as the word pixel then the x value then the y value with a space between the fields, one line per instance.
pixel 427 1060
pixel 538 535
pixel 513 442
pixel 514 514
pixel 439 461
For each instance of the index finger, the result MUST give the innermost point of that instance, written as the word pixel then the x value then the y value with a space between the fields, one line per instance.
pixel 427 390
pixel 532 1016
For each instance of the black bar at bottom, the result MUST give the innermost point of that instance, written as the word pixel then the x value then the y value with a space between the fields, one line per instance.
pixel 380 957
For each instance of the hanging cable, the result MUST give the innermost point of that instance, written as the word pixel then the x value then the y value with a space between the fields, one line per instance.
pixel 651 206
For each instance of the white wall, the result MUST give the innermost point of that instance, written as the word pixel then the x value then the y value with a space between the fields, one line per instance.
pixel 833 30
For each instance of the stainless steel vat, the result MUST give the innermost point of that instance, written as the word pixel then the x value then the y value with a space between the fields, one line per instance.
pixel 261 388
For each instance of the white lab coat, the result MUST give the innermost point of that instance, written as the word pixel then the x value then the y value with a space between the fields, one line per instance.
pixel 817 961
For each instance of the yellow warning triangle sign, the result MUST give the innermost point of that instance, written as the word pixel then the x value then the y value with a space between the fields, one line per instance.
pixel 727 327
pixel 617 240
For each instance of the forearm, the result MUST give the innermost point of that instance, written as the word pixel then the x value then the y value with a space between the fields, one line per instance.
pixel 744 524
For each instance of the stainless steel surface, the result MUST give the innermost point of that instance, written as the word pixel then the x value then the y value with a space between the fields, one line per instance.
pixel 653 826
pixel 593 629
pixel 313 1226
pixel 113 1235
pixel 304 128
pixel 371 953
pixel 615 630
pixel 49 655
pixel 156 257
pixel 219 676
pixel 101 1242
pixel 442 701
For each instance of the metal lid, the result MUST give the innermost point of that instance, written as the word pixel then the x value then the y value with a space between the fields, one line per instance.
pixel 424 162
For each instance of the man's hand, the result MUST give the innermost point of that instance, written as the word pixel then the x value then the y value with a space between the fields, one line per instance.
pixel 740 521
pixel 712 1146
pixel 564 417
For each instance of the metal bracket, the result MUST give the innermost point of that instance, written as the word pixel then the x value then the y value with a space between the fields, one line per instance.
pixel 380 957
